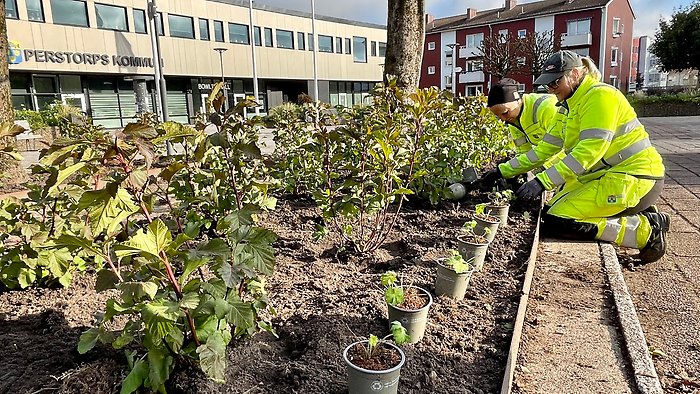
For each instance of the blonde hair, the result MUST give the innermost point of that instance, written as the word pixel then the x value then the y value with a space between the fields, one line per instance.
pixel 590 68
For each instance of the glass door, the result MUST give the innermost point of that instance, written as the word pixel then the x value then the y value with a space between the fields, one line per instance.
pixel 75 100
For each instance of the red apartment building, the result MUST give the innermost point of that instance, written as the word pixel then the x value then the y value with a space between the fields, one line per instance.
pixel 600 29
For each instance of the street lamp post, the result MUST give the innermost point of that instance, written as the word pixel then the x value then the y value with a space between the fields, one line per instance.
pixel 252 50
pixel 223 81
pixel 160 86
pixel 315 45
pixel 455 69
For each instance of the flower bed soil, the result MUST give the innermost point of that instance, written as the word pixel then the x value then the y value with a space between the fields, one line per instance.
pixel 324 300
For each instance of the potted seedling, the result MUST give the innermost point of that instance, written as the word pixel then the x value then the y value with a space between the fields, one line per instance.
pixel 484 220
pixel 453 275
pixel 499 205
pixel 407 304
pixel 374 365
pixel 472 246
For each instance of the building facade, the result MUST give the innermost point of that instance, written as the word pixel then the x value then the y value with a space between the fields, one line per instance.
pixel 96 53
pixel 600 29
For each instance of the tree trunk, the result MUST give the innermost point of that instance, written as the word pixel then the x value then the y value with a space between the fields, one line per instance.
pixel 9 168
pixel 404 47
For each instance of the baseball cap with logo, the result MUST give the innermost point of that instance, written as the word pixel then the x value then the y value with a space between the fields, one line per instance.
pixel 557 65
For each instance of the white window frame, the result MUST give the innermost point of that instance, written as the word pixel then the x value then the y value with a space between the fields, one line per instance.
pixel 431 45
pixel 579 24
pixel 431 70
pixel 503 33
pixel 477 89
pixel 521 87
pixel 615 81
pixel 474 40
pixel 521 60
pixel 473 65
pixel 522 33
pixel 617 27
pixel 448 81
pixel 614 56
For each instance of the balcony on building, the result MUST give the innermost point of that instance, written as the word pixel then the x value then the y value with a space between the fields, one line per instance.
pixel 467 52
pixel 570 40
pixel 471 77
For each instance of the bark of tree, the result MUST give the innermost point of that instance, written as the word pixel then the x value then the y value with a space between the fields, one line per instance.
pixel 9 167
pixel 404 47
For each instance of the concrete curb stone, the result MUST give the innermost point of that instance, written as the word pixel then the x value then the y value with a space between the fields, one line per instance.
pixel 637 350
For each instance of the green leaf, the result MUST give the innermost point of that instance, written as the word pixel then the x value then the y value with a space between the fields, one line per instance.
pixel 107 208
pixel 65 173
pixel 57 261
pixel 136 291
pixel 399 333
pixel 88 340
pixel 148 243
pixel 159 317
pixel 228 275
pixel 192 263
pixel 72 242
pixel 160 365
pixel 26 277
pixel 189 301
pixel 135 378
pixel 212 357
pixel 394 295
pixel 241 314
pixel 106 280
pixel 168 172
pixel 10 129
pixel 258 251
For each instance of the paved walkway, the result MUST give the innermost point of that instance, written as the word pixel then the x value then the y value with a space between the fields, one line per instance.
pixel 667 293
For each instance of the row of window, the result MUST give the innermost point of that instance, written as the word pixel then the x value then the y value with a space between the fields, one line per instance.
pixel 111 17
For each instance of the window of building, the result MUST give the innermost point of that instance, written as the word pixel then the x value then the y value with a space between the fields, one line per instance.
pixel 474 65
pixel 181 26
pixel 382 49
pixel 35 10
pixel 474 40
pixel 285 39
pixel 204 29
pixel 238 34
pixel 578 26
pixel 503 33
pixel 339 45
pixel 431 70
pixel 374 48
pixel 522 33
pixel 257 36
pixel 311 42
pixel 448 58
pixel 474 90
pixel 268 37
pixel 111 17
pixel 11 9
pixel 139 20
pixel 521 87
pixel 521 61
pixel 359 49
pixel 431 45
pixel 617 27
pixel 219 31
pixel 348 46
pixel 325 43
pixel 69 12
pixel 615 81
pixel 448 81
pixel 614 54
pixel 159 24
pixel 301 42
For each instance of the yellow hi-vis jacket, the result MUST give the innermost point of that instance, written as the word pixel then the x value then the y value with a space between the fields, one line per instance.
pixel 600 132
pixel 536 117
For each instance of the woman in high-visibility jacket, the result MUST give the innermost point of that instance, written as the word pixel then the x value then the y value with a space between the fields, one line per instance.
pixel 611 174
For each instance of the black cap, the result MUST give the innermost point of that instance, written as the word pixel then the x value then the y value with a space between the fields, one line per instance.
pixel 557 65
pixel 505 91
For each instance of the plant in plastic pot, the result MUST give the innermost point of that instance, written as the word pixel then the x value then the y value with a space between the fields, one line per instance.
pixel 453 275
pixel 472 246
pixel 499 205
pixel 407 304
pixel 374 365
pixel 485 220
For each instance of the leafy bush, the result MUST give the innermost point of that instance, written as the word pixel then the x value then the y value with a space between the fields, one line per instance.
pixel 183 249
pixel 686 95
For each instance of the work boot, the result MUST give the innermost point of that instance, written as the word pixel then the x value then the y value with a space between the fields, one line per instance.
pixel 652 208
pixel 656 246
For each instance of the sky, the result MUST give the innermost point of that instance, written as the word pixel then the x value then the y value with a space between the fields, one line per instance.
pixel 647 12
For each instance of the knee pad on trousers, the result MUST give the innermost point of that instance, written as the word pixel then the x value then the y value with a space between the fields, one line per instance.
pixel 557 227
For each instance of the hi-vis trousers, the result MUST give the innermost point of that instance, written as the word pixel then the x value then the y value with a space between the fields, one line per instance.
pixel 605 209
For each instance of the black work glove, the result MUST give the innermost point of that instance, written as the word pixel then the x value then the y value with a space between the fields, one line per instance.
pixel 491 177
pixel 531 190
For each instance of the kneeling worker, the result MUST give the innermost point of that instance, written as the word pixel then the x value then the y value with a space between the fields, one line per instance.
pixel 611 174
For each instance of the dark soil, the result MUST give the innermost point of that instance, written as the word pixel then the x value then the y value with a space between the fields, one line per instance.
pixel 325 301
pixel 383 357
